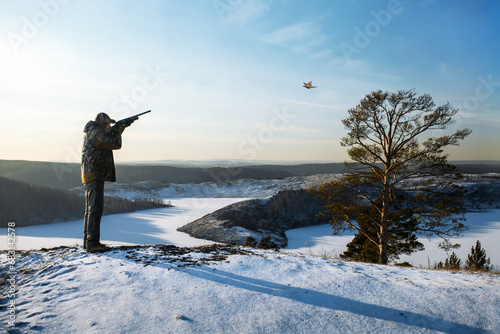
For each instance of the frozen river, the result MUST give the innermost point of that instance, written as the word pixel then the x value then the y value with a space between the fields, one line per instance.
pixel 484 226
pixel 159 226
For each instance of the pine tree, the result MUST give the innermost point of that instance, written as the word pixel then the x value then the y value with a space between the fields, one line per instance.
pixel 251 242
pixel 453 262
pixel 401 240
pixel 477 260
pixel 387 147
pixel 267 243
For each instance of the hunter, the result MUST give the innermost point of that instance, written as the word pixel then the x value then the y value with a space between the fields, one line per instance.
pixel 98 166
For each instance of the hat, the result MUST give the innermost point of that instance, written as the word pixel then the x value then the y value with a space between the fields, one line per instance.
pixel 103 119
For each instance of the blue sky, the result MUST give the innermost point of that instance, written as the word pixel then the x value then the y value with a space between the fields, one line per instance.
pixel 224 77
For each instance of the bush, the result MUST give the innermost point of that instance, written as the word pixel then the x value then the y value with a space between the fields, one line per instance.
pixel 439 265
pixel 403 264
pixel 267 243
pixel 453 262
pixel 251 242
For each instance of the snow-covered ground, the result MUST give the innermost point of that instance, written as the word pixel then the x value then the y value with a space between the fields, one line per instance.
pixel 157 290
pixel 159 226
pixel 150 227
pixel 484 226
pixel 150 290
pixel 248 188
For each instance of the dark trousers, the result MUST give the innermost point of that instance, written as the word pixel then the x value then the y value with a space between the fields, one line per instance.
pixel 94 205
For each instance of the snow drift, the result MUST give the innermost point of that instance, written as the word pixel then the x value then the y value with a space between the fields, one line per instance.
pixel 224 289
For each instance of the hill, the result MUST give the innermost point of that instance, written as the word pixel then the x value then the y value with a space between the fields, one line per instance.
pixel 258 218
pixel 292 207
pixel 28 204
pixel 225 289
pixel 67 175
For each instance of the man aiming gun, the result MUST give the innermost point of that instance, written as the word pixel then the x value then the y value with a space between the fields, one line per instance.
pixel 99 141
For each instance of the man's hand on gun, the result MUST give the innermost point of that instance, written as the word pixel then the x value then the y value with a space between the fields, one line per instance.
pixel 121 125
pixel 126 122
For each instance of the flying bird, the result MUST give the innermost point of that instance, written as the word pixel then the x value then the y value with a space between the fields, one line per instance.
pixel 309 85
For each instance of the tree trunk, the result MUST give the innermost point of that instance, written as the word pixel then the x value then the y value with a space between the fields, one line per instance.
pixel 386 198
pixel 383 243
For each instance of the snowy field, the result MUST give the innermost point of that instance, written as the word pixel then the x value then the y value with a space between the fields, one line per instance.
pixel 150 290
pixel 159 226
pixel 157 290
pixel 150 227
pixel 484 226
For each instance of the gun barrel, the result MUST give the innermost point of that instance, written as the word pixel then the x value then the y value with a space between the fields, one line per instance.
pixel 142 113
pixel 135 116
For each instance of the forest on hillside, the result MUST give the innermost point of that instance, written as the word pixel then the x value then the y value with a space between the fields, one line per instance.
pixel 67 175
pixel 27 204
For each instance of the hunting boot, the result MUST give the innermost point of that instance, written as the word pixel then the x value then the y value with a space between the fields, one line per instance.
pixel 97 248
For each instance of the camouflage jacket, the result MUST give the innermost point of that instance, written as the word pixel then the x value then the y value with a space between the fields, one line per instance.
pixel 97 154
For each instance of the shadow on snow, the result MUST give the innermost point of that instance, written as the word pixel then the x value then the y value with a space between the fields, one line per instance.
pixel 324 300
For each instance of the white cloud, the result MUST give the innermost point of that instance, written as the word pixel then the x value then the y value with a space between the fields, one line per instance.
pixel 322 53
pixel 303 38
pixel 310 44
pixel 309 104
pixel 295 32
pixel 242 12
pixel 349 64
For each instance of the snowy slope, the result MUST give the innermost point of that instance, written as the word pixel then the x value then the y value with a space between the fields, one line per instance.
pixel 484 226
pixel 249 188
pixel 159 226
pixel 156 226
pixel 165 289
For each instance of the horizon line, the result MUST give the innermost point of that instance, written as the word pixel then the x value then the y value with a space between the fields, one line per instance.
pixel 239 161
